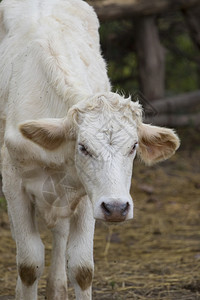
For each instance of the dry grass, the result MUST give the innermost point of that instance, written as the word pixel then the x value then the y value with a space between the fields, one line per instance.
pixel 156 255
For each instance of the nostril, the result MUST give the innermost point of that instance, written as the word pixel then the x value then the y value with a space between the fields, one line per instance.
pixel 125 209
pixel 106 209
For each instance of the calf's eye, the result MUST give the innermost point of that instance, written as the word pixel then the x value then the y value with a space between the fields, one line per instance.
pixel 134 148
pixel 84 150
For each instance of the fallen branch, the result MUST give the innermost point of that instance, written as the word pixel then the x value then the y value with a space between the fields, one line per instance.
pixel 172 104
pixel 173 120
pixel 108 10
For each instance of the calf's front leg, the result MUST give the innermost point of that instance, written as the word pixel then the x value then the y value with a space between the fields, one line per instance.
pixel 80 250
pixel 57 279
pixel 30 250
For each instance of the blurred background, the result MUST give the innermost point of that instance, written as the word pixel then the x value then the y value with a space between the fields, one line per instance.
pixel 152 48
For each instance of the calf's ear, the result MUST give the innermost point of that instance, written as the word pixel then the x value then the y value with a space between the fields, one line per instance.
pixel 48 133
pixel 156 143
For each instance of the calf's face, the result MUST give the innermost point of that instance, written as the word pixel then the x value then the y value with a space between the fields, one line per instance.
pixel 105 149
pixel 108 131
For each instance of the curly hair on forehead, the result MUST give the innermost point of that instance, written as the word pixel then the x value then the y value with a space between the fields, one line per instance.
pixel 108 103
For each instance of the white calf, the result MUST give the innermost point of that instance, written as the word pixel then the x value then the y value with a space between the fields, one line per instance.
pixel 68 143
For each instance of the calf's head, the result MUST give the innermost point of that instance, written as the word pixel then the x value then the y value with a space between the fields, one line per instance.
pixel 108 131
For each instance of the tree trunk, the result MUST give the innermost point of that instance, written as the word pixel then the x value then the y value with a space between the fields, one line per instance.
pixel 108 10
pixel 151 58
pixel 192 17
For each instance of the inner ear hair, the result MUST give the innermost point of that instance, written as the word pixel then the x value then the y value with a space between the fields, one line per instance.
pixel 47 135
pixel 156 143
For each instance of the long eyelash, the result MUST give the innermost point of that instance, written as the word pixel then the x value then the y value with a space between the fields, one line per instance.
pixel 133 148
pixel 84 150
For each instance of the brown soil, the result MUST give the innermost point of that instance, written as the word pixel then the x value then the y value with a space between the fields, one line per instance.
pixel 156 255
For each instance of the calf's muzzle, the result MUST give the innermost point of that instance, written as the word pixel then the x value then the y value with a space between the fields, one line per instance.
pixel 115 211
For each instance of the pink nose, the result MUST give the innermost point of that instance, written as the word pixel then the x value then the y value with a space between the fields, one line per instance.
pixel 115 211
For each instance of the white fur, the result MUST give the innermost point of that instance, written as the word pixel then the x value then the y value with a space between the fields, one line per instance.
pixel 55 97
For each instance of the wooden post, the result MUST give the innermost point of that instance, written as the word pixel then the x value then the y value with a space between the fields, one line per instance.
pixel 151 58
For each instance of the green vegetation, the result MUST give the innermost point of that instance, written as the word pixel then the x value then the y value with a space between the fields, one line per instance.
pixel 2 203
pixel 117 40
pixel 182 57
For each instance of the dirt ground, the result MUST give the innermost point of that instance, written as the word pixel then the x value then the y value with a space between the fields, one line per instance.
pixel 154 256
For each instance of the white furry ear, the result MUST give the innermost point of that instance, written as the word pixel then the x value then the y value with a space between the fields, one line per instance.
pixel 156 143
pixel 48 133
